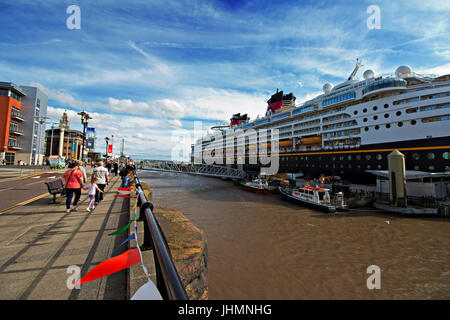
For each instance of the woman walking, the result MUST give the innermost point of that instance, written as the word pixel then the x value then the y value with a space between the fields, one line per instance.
pixel 74 184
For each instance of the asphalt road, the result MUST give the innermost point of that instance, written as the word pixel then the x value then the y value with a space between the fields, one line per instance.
pixel 17 191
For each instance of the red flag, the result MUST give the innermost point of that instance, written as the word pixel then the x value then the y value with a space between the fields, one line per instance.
pixel 124 196
pixel 124 189
pixel 113 265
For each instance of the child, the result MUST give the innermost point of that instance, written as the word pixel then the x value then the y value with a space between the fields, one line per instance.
pixel 91 192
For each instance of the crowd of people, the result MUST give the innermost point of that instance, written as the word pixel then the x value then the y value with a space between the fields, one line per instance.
pixel 76 180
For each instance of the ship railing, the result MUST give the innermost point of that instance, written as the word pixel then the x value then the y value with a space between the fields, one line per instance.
pixel 168 280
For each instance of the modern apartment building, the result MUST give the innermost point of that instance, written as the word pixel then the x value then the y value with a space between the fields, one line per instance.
pixel 22 124
pixel 12 121
pixel 34 109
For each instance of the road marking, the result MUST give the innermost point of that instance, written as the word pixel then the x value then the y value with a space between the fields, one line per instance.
pixel 7 189
pixel 29 184
pixel 37 177
pixel 2 211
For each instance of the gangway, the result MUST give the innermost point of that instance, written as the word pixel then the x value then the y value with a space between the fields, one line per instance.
pixel 195 169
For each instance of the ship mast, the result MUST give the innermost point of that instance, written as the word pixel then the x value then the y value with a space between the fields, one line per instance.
pixel 353 74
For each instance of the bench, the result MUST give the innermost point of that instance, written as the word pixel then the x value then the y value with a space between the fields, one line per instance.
pixel 55 187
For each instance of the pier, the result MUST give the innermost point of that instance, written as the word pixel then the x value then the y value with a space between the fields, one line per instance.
pixel 40 244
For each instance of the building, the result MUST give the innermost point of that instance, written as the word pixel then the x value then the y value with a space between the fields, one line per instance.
pixel 34 109
pixel 12 122
pixel 64 142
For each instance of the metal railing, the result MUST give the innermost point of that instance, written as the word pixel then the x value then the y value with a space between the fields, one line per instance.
pixel 168 281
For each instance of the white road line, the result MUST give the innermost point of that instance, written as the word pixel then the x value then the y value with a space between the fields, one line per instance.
pixel 37 177
pixel 29 184
pixel 7 189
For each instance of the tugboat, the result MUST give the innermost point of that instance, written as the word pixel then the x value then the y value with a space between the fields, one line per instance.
pixel 257 185
pixel 313 197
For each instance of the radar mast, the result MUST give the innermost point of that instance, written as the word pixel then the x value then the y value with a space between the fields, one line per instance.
pixel 358 65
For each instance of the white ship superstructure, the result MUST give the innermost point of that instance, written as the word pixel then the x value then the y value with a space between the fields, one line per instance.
pixel 351 127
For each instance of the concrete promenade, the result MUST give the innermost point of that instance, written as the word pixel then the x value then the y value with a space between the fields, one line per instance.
pixel 39 241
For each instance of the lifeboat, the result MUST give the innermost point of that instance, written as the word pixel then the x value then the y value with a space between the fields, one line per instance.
pixel 311 140
pixel 286 144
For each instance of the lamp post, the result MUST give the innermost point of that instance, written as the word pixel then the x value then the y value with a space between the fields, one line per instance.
pixel 84 121
pixel 107 140
pixel 41 120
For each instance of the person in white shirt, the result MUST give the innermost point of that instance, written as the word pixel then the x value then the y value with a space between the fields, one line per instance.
pixel 102 174
pixel 83 171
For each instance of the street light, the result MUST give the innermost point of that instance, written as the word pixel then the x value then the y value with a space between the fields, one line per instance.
pixel 84 121
pixel 107 140
pixel 41 121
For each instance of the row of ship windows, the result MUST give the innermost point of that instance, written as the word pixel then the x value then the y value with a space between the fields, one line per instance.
pixel 368 157
pixel 414 122
pixel 378 166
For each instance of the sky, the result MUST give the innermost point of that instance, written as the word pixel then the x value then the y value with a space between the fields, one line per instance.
pixel 147 71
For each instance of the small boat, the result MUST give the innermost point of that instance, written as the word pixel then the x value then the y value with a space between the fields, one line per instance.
pixel 313 197
pixel 257 185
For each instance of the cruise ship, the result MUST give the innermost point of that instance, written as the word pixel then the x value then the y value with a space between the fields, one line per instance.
pixel 346 131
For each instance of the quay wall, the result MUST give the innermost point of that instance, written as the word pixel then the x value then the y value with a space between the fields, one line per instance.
pixel 188 247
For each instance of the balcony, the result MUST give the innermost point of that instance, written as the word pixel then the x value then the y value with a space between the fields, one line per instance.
pixel 16 130
pixel 14 145
pixel 17 115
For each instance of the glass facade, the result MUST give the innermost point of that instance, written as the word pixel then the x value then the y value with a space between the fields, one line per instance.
pixel 384 83
pixel 337 99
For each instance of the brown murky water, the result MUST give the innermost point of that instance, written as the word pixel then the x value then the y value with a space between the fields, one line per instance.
pixel 262 247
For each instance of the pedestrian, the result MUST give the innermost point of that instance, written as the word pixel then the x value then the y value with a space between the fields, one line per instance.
pixel 126 172
pixel 108 166
pixel 102 174
pixel 92 190
pixel 83 171
pixel 116 169
pixel 74 184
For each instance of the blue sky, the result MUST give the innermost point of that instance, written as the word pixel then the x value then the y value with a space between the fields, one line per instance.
pixel 146 70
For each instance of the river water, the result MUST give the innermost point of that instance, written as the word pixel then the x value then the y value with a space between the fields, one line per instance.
pixel 262 247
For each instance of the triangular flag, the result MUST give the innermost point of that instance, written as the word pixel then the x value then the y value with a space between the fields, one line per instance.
pixel 120 230
pixel 147 292
pixel 133 236
pixel 124 189
pixel 113 265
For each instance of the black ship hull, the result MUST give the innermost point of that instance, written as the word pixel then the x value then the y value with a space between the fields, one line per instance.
pixel 429 155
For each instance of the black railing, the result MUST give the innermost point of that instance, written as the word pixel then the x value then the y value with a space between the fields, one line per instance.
pixel 168 281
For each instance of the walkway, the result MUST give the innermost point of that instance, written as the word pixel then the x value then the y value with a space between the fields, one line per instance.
pixel 39 241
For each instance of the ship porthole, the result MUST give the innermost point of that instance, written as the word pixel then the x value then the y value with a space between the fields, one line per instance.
pixel 379 157
pixel 416 156
pixel 388 126
pixel 375 108
pixel 417 168
pixel 446 156
pixel 413 122
pixel 431 168
pixel 386 106
pixel 386 115
pixel 400 124
pixel 430 155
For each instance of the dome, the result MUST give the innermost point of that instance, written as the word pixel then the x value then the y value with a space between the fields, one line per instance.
pixel 368 74
pixel 403 71
pixel 327 87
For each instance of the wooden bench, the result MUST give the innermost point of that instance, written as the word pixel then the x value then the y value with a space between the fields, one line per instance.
pixel 55 187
